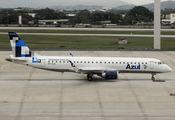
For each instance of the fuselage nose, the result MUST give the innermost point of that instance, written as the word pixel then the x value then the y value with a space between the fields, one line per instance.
pixel 168 69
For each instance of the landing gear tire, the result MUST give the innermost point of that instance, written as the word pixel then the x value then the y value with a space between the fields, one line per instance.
pixel 89 77
pixel 153 78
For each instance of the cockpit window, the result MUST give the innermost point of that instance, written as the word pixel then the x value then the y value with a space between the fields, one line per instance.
pixel 159 63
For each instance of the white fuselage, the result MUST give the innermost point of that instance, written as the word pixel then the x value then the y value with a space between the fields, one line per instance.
pixel 98 65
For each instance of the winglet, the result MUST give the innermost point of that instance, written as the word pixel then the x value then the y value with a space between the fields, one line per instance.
pixel 72 64
pixel 71 54
pixel 74 67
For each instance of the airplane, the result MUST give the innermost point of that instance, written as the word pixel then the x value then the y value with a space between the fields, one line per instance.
pixel 105 67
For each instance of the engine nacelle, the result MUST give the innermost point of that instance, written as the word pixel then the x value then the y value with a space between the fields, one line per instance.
pixel 110 75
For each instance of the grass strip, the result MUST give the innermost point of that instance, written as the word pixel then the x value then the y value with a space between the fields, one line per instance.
pixel 73 42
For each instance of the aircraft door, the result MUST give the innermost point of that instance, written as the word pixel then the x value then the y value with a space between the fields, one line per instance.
pixel 151 64
pixel 43 62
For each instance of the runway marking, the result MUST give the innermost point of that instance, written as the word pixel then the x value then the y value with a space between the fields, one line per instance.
pixel 98 54
pixel 30 76
pixel 87 113
pixel 2 68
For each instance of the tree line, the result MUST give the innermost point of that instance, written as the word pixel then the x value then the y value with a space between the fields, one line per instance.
pixel 137 14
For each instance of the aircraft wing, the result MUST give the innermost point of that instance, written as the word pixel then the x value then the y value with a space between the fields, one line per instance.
pixel 90 69
pixel 93 69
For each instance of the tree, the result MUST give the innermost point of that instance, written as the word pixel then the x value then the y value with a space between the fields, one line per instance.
pixel 140 13
pixel 25 21
pixel 48 14
pixel 82 17
pixel 45 14
pixel 8 17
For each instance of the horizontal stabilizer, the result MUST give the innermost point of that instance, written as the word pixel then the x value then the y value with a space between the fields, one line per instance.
pixel 15 59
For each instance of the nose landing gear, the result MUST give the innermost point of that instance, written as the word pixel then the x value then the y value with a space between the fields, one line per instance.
pixel 153 76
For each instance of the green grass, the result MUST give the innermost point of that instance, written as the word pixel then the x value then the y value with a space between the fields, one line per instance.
pixel 87 32
pixel 72 42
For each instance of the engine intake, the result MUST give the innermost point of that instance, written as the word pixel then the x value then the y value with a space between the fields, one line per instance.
pixel 110 75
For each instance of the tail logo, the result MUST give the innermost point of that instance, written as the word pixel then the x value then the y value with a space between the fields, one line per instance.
pixel 18 46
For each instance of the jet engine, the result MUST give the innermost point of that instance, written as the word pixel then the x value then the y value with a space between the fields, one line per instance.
pixel 110 75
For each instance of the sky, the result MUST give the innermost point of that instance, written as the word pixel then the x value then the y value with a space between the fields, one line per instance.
pixel 141 2
pixel 47 3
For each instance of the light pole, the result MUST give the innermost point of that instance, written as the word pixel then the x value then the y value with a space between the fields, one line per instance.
pixel 7 18
pixel 157 43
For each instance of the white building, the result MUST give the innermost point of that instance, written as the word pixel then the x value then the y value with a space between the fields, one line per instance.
pixel 53 22
pixel 32 14
pixel 172 18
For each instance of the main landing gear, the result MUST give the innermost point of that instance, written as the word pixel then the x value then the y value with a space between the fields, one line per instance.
pixel 153 76
pixel 90 77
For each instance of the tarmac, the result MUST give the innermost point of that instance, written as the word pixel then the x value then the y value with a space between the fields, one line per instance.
pixel 31 94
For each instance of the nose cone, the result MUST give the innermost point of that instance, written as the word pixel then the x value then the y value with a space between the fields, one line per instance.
pixel 169 69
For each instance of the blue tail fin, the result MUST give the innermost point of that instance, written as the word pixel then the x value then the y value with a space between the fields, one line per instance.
pixel 18 46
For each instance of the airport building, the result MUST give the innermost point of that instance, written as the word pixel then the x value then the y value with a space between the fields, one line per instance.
pixel 54 22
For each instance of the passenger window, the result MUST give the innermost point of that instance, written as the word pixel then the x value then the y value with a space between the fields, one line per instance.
pixel 127 62
pixel 88 62
pixel 97 62
pixel 60 61
pixel 112 62
pixel 81 62
pixel 116 62
pixel 108 62
pixel 77 61
pixel 123 62
pixel 131 62
pixel 145 63
pixel 142 63
pixel 135 63
pixel 105 62
pixel 92 62
pixel 138 62
pixel 120 62
pixel 74 62
pixel 84 61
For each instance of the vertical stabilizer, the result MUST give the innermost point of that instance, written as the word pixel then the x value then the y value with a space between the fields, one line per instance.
pixel 18 46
